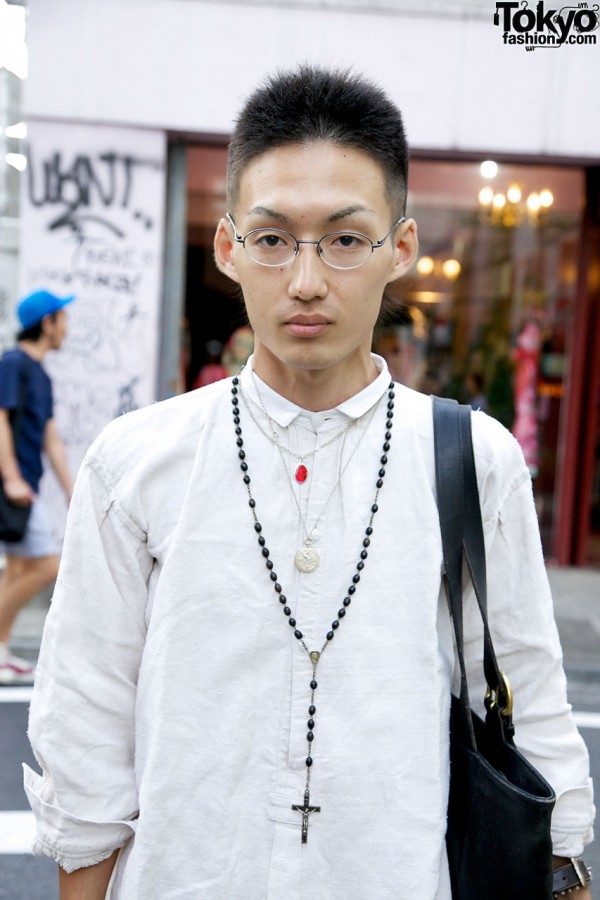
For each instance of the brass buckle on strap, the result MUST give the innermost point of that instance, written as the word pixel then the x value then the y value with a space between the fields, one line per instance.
pixel 502 691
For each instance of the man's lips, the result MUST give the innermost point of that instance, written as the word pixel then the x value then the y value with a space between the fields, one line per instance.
pixel 307 326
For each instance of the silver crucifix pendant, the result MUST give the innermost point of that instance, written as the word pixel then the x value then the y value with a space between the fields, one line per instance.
pixel 306 809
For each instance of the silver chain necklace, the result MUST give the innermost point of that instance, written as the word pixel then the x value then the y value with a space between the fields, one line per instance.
pixel 301 472
pixel 307 558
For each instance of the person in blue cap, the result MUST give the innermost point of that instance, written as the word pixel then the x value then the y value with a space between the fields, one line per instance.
pixel 32 563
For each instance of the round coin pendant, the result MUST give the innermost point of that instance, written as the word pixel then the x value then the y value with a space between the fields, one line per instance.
pixel 307 559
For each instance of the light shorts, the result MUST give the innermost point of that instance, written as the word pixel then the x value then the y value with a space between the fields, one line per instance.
pixel 40 538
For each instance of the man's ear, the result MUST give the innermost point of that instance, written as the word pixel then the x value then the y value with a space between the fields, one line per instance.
pixel 223 248
pixel 406 248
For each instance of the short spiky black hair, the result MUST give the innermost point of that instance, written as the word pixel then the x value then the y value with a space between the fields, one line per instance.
pixel 310 104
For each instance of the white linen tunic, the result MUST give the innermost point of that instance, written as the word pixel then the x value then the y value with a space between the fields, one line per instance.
pixel 170 708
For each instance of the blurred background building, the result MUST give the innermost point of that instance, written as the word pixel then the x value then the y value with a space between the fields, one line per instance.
pixel 128 106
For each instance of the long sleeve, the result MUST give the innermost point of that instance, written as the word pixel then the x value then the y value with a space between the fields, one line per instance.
pixel 83 709
pixel 527 644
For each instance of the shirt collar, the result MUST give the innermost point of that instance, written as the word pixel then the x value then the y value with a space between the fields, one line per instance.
pixel 284 412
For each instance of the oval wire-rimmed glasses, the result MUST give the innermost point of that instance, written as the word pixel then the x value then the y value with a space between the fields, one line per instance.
pixel 340 249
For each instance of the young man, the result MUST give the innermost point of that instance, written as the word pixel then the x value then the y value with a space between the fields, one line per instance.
pixel 246 673
pixel 32 563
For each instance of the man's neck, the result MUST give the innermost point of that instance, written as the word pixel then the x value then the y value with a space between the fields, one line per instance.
pixel 35 349
pixel 316 390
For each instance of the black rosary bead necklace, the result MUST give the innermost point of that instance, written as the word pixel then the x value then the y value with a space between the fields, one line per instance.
pixel 314 655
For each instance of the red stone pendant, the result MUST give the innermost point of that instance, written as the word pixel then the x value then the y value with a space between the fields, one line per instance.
pixel 301 474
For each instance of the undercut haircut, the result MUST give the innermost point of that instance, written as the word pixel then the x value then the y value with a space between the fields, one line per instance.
pixel 310 104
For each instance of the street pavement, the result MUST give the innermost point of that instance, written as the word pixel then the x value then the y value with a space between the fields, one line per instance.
pixel 576 595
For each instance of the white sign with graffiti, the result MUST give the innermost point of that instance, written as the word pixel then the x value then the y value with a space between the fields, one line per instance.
pixel 92 226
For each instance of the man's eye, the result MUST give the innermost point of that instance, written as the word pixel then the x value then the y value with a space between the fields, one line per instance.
pixel 347 240
pixel 270 241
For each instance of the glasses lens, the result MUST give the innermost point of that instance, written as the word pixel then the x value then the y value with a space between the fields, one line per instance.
pixel 346 250
pixel 270 247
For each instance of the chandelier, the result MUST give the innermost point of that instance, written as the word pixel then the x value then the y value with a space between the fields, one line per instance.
pixel 512 207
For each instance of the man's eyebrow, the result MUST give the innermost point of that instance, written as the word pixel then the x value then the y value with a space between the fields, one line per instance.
pixel 270 213
pixel 349 211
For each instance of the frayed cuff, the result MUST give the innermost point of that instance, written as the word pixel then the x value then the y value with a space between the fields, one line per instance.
pixel 39 848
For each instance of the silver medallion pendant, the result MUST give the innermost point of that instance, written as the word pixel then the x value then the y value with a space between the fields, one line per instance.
pixel 307 559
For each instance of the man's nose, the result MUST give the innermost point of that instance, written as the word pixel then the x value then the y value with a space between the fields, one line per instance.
pixel 308 279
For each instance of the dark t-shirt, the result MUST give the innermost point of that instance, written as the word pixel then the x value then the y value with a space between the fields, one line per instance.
pixel 14 365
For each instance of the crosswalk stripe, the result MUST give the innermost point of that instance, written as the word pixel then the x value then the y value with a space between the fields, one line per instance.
pixel 587 719
pixel 16 694
pixel 17 831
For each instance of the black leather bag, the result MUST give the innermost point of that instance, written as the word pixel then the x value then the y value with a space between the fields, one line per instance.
pixel 13 518
pixel 500 807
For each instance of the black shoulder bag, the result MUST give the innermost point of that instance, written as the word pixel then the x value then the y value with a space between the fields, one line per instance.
pixel 499 809
pixel 13 518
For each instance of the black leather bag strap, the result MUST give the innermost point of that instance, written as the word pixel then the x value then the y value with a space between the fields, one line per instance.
pixel 462 534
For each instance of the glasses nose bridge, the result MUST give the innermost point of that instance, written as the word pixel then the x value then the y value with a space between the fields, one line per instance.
pixel 316 244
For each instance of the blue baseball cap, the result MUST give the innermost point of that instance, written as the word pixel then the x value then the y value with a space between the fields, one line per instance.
pixel 34 307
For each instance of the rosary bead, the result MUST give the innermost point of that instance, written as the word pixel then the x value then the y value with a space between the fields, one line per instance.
pixel 312 709
pixel 278 587
pixel 368 531
pixel 388 435
pixel 246 479
pixel 389 423
pixel 341 613
pixel 236 410
pixel 310 724
pixel 236 420
pixel 335 624
pixel 269 564
pixel 251 504
pixel 379 483
pixel 383 460
pixel 381 473
pixel 292 622
pixel 314 684
pixel 367 542
pixel 347 601
pixel 310 736
pixel 390 414
pixel 234 399
pixel 244 467
pixel 238 431
pixel 298 635
pixel 360 566
pixel 282 599
pixel 308 761
pixel 392 394
pixel 356 579
pixel 261 541
pixel 257 526
pixel 364 554
pixel 242 454
pixel 240 442
pixel 265 551
pixel 374 508
pixel 352 589
pixel 386 446
pixel 287 611
pixel 235 380
pixel 390 404
pixel 273 576
pixel 330 635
